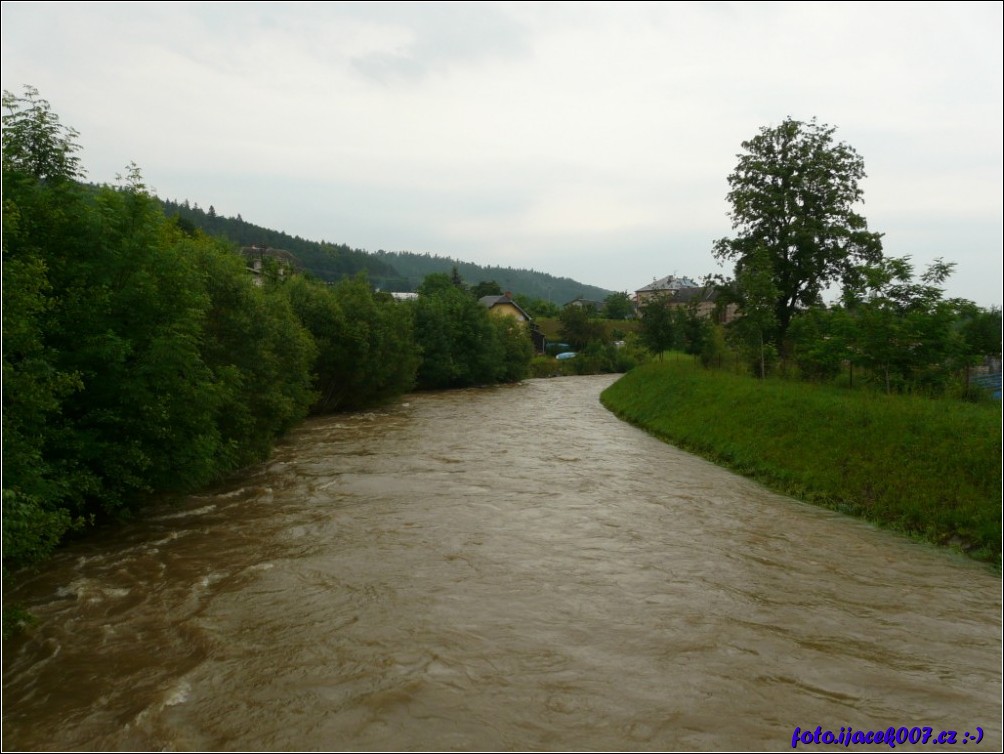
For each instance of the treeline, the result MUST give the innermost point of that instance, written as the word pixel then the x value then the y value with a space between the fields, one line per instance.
pixel 899 336
pixel 893 332
pixel 139 355
pixel 898 333
pixel 796 233
pixel 330 262
pixel 387 271
pixel 530 283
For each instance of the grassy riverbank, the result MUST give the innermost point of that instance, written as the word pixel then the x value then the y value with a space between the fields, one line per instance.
pixel 929 468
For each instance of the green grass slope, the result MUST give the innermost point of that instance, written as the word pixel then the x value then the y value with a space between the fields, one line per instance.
pixel 928 468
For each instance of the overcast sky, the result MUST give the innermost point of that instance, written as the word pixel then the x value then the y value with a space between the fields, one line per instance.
pixel 591 140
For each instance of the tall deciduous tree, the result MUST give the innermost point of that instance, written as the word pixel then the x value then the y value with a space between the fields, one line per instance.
pixel 42 206
pixel 458 342
pixel 579 327
pixel 793 194
pixel 486 288
pixel 618 306
pixel 906 333
pixel 35 143
pixel 658 328
pixel 757 292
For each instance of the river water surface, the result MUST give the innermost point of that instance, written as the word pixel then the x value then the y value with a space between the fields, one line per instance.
pixel 498 569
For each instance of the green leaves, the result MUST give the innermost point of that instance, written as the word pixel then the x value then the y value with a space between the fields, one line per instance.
pixel 139 357
pixel 458 343
pixel 792 195
pixel 135 357
pixel 517 349
pixel 658 331
pixel 365 347
pixel 898 330
pixel 618 306
pixel 580 326
pixel 461 343
pixel 259 355
pixel 35 142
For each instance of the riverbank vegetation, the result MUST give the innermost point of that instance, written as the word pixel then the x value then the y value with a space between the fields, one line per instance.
pixel 877 404
pixel 797 233
pixel 927 467
pixel 141 356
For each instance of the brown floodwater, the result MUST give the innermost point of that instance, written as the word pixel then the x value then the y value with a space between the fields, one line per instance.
pixel 498 569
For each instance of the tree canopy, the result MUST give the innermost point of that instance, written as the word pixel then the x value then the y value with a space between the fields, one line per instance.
pixel 618 306
pixel 35 143
pixel 658 328
pixel 793 193
pixel 579 326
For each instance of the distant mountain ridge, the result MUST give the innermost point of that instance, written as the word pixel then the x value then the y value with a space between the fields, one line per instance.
pixel 325 261
pixel 559 290
pixel 388 271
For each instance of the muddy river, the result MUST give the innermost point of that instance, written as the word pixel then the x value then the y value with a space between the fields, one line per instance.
pixel 500 569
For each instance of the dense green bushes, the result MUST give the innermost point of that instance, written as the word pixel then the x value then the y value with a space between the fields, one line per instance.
pixel 595 358
pixel 136 359
pixel 461 343
pixel 141 357
pixel 927 467
pixel 366 352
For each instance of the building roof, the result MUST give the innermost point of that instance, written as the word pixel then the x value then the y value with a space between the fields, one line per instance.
pixel 587 303
pixel 668 283
pixel 491 301
pixel 692 295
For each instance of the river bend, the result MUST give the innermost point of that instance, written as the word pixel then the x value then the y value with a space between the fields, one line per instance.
pixel 497 569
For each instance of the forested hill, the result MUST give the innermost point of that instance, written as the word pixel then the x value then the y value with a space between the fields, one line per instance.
pixel 388 271
pixel 529 283
pixel 326 261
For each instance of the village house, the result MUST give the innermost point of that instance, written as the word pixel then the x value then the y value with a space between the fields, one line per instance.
pixel 704 302
pixel 682 292
pixel 259 258
pixel 504 306
pixel 661 287
pixel 585 303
